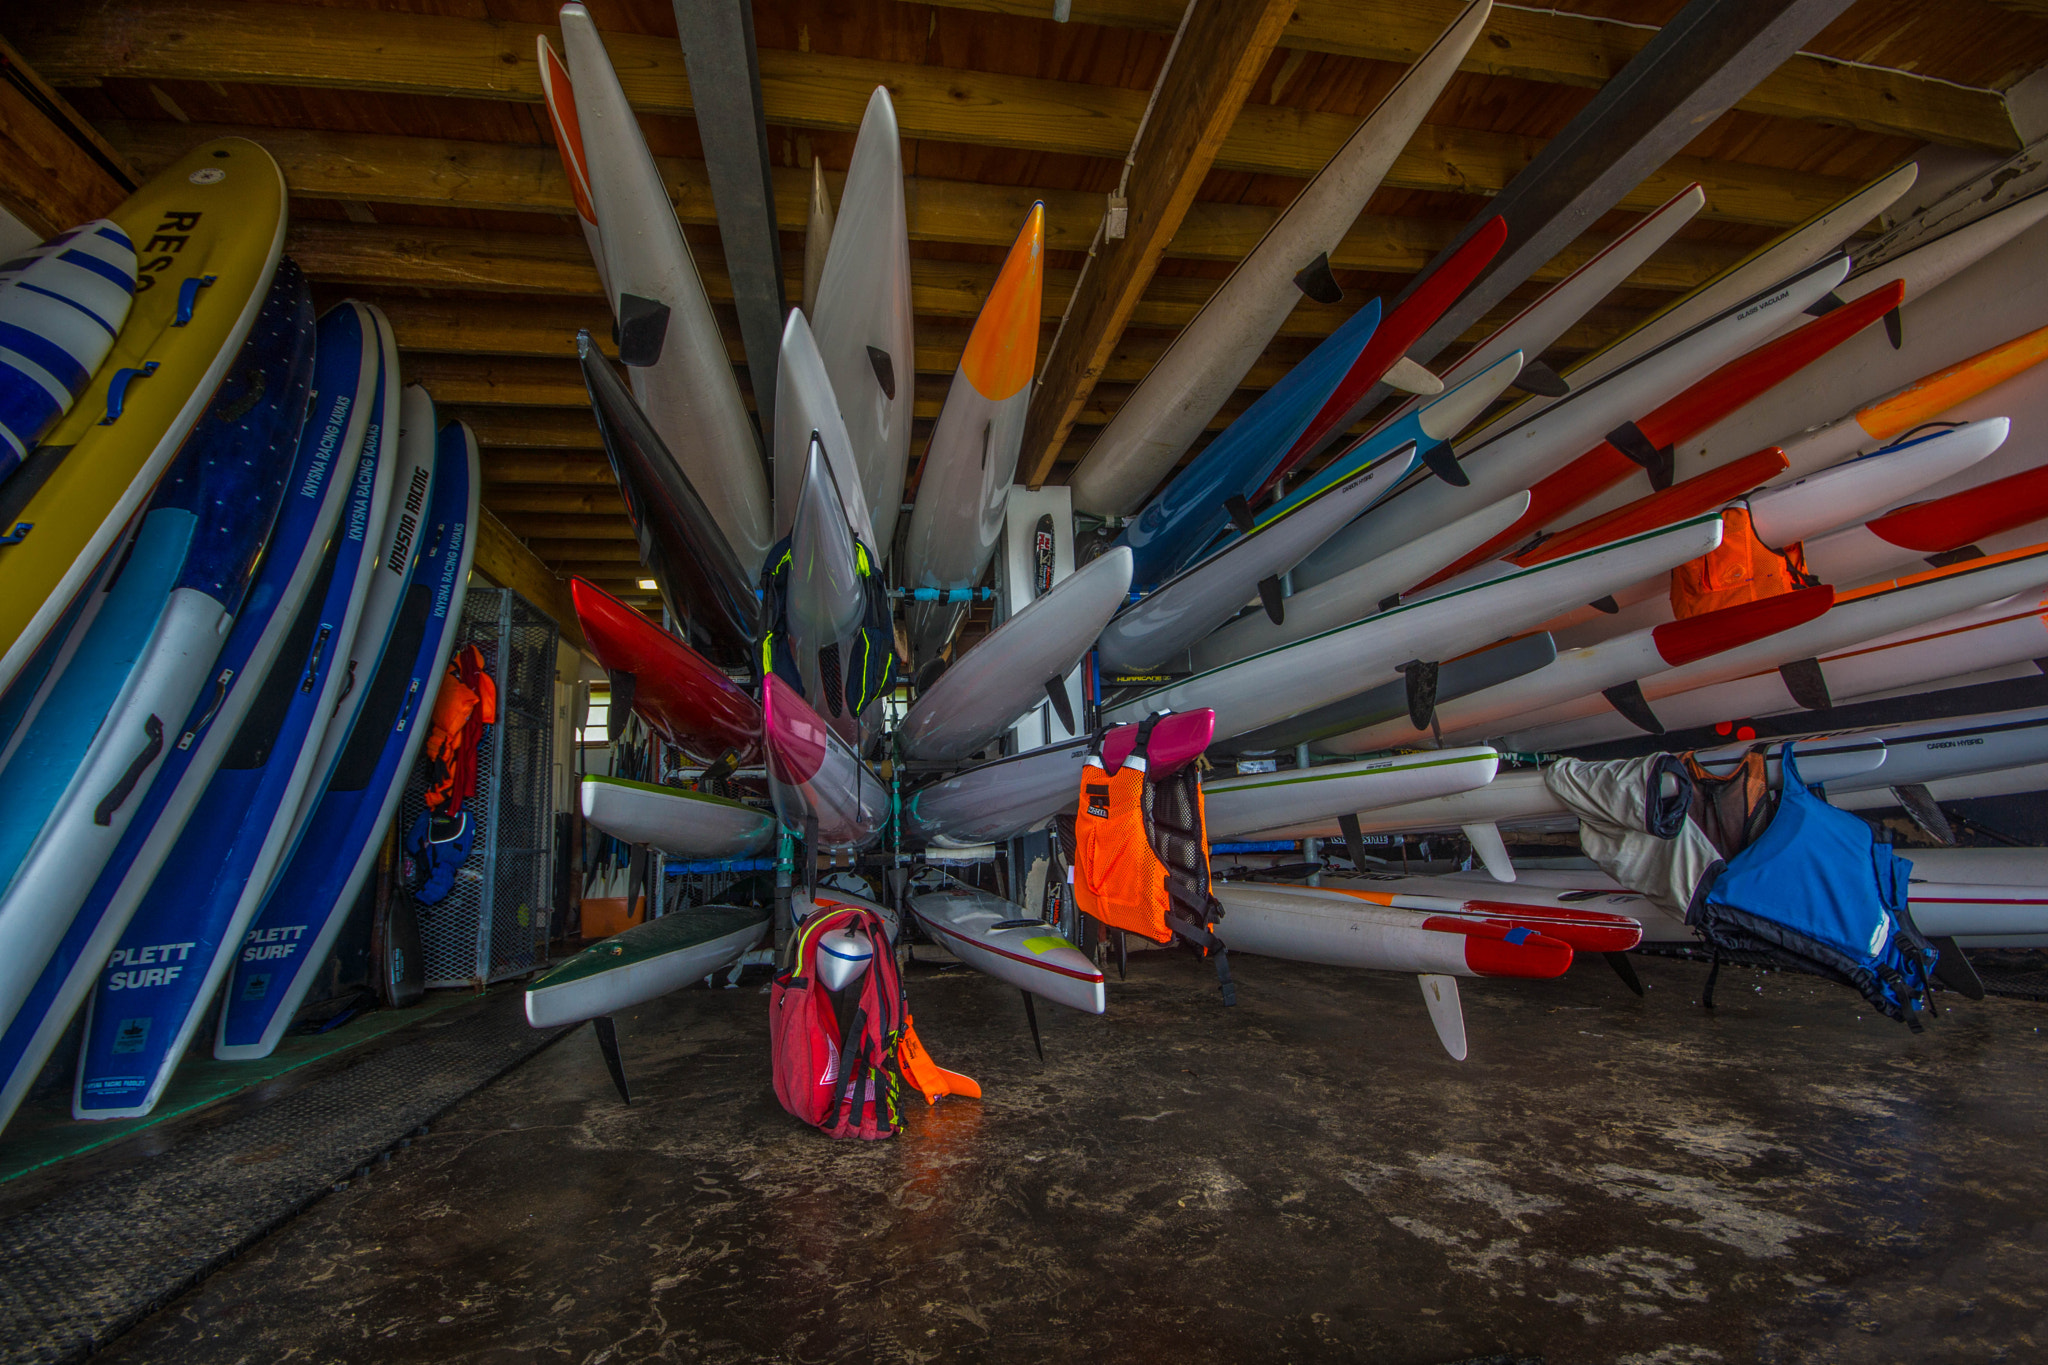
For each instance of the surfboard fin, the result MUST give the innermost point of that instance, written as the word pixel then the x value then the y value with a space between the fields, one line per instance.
pixel 1606 605
pixel 1240 513
pixel 1657 461
pixel 1824 305
pixel 1316 281
pixel 1925 812
pixel 885 371
pixel 1421 676
pixel 608 1044
pixel 622 693
pixel 1031 1015
pixel 1446 1011
pixel 1628 699
pixel 1062 704
pixel 1626 970
pixel 1807 684
pixel 1954 971
pixel 1538 378
pixel 641 329
pixel 1271 600
pixel 1443 462
pixel 1895 329
pixel 1354 840
pixel 1409 377
pixel 1490 849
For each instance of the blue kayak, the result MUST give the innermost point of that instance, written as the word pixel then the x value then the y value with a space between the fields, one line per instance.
pixel 1186 514
pixel 152 989
pixel 308 902
pixel 115 721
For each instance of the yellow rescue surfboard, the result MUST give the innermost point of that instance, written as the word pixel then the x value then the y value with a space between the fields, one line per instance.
pixel 207 234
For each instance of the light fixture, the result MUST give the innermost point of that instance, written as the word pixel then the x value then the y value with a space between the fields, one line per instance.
pixel 648 584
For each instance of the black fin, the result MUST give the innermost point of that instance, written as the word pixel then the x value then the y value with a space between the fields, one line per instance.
pixel 1062 704
pixel 622 695
pixel 929 674
pixel 641 329
pixel 1421 676
pixel 1626 970
pixel 1354 840
pixel 1443 462
pixel 810 857
pixel 1539 379
pixel 1628 438
pixel 608 1044
pixel 1393 599
pixel 1031 1014
pixel 1316 281
pixel 1123 956
pixel 1270 598
pixel 1922 810
pixel 1807 684
pixel 885 372
pixel 1628 699
pixel 1895 329
pixel 1606 604
pixel 1962 554
pixel 1954 971
pixel 1240 513
pixel 1824 305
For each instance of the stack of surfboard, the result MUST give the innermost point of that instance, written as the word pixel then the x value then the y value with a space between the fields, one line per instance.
pixel 236 549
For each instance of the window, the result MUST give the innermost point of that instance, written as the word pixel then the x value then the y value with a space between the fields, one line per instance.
pixel 597 725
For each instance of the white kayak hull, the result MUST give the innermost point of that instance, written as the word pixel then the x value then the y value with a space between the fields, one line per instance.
pixel 996 938
pixel 676 821
pixel 1238 805
pixel 654 959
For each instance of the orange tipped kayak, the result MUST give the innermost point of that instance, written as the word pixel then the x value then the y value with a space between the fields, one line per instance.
pixel 1587 931
pixel 963 488
pixel 1942 390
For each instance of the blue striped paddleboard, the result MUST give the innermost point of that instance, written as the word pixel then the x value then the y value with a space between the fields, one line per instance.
pixel 308 902
pixel 188 915
pixel 111 714
pixel 1186 515
pixel 61 305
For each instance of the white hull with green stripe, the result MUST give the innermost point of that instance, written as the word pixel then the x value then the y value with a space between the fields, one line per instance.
pixel 644 963
pixel 1254 801
pixel 687 824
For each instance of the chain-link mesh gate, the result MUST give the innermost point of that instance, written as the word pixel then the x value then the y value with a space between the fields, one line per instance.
pixel 494 924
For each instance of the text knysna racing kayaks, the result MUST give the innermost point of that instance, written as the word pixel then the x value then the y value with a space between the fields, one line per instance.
pixel 153 989
pixel 958 516
pixel 61 305
pixel 644 963
pixel 676 820
pixel 668 337
pixel 311 897
pixel 672 687
pixel 862 320
pixel 220 212
pixel 997 938
pixel 134 686
pixel 1173 404
pixel 815 776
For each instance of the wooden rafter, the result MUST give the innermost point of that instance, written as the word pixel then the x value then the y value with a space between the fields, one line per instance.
pixel 241 41
pixel 1584 50
pixel 1220 50
pixel 501 558
pixel 55 170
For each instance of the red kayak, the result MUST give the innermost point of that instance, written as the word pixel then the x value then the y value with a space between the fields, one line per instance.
pixel 1587 931
pixel 675 689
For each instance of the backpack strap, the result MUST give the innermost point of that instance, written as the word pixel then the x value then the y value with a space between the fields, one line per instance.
pixel 843 1082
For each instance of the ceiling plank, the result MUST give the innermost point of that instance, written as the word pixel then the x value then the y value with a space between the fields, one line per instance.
pixel 376 168
pixel 55 171
pixel 243 42
pixel 1221 47
pixel 1558 48
pixel 503 560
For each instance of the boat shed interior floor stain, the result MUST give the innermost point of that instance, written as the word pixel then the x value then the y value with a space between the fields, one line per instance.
pixel 1304 1177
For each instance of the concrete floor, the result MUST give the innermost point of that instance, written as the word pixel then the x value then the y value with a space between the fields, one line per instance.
pixel 1306 1177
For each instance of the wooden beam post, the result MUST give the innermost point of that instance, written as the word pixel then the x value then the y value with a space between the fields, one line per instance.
pixel 55 171
pixel 1221 48
pixel 505 560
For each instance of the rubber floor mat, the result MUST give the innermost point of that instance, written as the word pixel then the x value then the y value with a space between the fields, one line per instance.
pixel 80 1269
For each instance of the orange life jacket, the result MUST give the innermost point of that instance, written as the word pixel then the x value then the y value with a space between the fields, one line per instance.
pixel 1742 569
pixel 466 703
pixel 1141 854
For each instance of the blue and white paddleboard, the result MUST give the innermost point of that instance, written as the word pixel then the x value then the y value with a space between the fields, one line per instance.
pixel 191 912
pixel 311 898
pixel 61 305
pixel 111 713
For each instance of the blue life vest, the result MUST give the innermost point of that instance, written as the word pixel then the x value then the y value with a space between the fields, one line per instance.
pixel 1815 891
pixel 435 849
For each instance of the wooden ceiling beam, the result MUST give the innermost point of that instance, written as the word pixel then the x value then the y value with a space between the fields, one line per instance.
pixel 375 168
pixel 55 171
pixel 1558 48
pixel 1220 49
pixel 502 559
pixel 572 467
pixel 525 522
pixel 239 41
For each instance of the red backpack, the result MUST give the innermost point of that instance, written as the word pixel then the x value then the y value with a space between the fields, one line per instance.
pixel 838 1074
